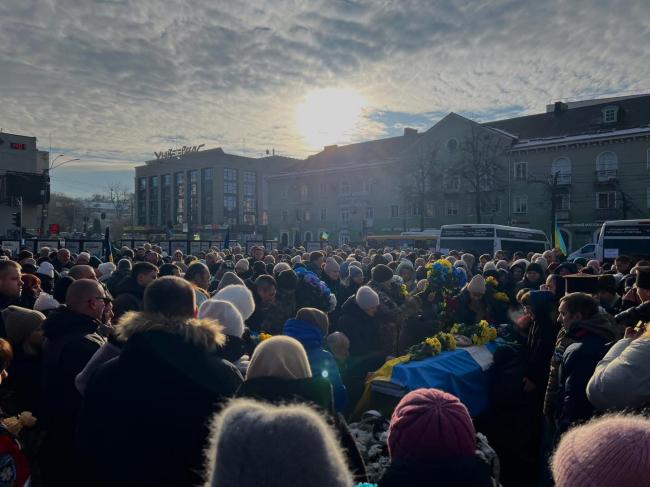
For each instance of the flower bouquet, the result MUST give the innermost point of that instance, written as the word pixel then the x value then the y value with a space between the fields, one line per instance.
pixel 311 292
pixel 444 282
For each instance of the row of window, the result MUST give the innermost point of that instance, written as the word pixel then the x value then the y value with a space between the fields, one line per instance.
pixel 185 198
pixel 606 166
pixel 344 188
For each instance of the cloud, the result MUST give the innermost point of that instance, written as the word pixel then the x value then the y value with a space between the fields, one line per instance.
pixel 115 80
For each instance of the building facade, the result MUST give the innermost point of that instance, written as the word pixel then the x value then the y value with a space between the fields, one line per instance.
pixel 204 192
pixel 577 163
pixel 23 173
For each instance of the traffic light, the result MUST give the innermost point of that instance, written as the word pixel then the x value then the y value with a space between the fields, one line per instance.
pixel 17 219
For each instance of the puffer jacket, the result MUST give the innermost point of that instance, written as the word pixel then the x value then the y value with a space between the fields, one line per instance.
pixel 622 378
pixel 321 361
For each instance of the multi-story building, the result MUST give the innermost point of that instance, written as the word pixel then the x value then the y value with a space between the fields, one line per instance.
pixel 23 174
pixel 204 192
pixel 578 163
pixel 591 157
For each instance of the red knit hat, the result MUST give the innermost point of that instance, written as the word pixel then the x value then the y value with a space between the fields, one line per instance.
pixel 429 424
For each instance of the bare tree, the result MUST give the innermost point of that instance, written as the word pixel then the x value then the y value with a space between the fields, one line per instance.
pixel 482 168
pixel 120 198
pixel 420 186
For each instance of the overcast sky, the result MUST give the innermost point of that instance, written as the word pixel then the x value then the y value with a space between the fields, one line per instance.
pixel 113 81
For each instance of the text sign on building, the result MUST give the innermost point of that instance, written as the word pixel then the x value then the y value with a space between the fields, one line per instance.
pixel 181 151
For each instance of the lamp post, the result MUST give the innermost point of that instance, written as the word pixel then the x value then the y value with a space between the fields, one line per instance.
pixel 46 190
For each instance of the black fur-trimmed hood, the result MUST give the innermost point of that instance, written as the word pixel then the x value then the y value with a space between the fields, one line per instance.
pixel 203 333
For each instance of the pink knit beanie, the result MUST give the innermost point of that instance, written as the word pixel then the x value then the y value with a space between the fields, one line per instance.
pixel 613 451
pixel 429 424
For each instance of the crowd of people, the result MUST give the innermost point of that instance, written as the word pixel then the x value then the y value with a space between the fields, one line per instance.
pixel 235 368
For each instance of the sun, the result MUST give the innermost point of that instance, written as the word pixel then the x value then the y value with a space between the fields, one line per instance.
pixel 330 116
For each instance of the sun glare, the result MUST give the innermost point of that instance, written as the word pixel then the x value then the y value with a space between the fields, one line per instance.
pixel 329 116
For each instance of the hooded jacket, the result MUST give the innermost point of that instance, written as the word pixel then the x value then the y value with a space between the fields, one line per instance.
pixel 152 404
pixel 321 361
pixel 447 472
pixel 590 344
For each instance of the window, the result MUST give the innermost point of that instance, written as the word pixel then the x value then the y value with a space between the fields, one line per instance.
pixel 307 215
pixel 452 145
pixel 520 204
pixel 345 215
pixel 345 188
pixel 179 197
pixel 394 211
pixel 304 192
pixel 193 196
pixel 285 216
pixel 430 210
pixel 142 201
pixel 564 202
pixel 413 210
pixel 323 188
pixel 230 196
pixel 249 202
pixel 323 214
pixel 153 200
pixel 367 187
pixel 452 183
pixel 485 183
pixel 298 214
pixel 490 205
pixel 166 199
pixel 521 171
pixel 606 200
pixel 606 166
pixel 451 208
pixel 562 167
pixel 370 213
pixel 207 192
pixel 610 114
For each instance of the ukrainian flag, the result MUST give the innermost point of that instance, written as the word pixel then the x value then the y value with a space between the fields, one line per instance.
pixel 559 240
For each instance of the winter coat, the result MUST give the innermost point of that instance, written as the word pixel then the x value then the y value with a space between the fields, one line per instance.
pixel 539 350
pixel 72 339
pixel 622 378
pixel 116 278
pixel 129 285
pixel 321 361
pixel 23 384
pixel 5 302
pixel 591 338
pixel 444 472
pixel 361 329
pixel 146 413
pixel 337 290
pixel 105 353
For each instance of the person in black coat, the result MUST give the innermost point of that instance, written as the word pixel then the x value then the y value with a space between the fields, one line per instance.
pixel 122 272
pixel 142 274
pixel 72 338
pixel 145 414
pixel 591 332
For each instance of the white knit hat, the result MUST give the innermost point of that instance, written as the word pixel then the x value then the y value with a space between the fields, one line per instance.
pixel 242 265
pixel 240 296
pixel 477 285
pixel 45 302
pixel 296 260
pixel 489 266
pixel 46 269
pixel 226 314
pixel 367 298
pixel 106 268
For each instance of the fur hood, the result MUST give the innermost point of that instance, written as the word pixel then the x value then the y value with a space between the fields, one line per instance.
pixel 204 333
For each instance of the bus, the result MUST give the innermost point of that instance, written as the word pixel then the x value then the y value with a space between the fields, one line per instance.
pixel 488 239
pixel 623 237
pixel 425 239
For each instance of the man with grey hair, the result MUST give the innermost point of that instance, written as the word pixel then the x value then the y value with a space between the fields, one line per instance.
pixel 72 339
pixel 166 383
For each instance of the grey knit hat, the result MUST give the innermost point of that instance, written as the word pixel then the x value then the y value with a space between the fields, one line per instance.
pixel 305 450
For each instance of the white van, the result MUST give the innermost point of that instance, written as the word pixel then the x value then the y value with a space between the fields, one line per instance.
pixel 487 239
pixel 587 251
pixel 624 237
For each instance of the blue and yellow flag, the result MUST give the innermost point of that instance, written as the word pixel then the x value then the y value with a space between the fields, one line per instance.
pixel 559 240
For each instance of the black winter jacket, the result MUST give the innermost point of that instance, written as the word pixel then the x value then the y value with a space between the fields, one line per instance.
pixel 146 413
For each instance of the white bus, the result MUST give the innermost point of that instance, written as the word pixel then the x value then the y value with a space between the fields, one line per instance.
pixel 487 239
pixel 624 237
